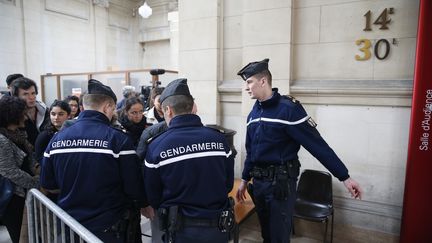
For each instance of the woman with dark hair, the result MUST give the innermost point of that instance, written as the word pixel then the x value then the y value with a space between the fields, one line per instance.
pixel 73 102
pixel 15 152
pixel 132 118
pixel 59 112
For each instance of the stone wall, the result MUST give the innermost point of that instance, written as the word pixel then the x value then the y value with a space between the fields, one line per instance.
pixel 362 107
pixel 55 36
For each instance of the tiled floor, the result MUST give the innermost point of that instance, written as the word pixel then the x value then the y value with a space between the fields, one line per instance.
pixel 249 233
pixel 4 236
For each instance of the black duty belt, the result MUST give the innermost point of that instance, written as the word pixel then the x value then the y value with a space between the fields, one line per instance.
pixel 268 172
pixel 196 222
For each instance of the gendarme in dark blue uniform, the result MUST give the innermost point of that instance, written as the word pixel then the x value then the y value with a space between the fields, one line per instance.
pixel 276 128
pixel 96 170
pixel 192 167
pixel 189 165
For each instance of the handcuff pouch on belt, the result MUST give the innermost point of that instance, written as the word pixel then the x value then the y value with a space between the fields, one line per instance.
pixel 227 217
pixel 172 220
pixel 121 226
pixel 169 222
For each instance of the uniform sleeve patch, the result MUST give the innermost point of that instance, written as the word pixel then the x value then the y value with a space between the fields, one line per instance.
pixel 311 122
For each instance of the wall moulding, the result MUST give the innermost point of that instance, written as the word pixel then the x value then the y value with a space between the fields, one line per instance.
pixel 368 207
pixel 118 17
pixel 101 3
pixel 12 2
pixel 79 9
pixel 374 216
pixel 353 92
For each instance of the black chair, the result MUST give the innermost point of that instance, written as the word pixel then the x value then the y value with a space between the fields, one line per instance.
pixel 315 198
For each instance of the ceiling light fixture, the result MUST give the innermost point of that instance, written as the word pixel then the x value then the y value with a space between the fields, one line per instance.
pixel 145 10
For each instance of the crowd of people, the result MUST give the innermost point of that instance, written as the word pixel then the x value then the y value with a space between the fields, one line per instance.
pixel 27 126
pixel 106 163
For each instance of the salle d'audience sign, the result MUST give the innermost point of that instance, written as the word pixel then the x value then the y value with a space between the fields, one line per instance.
pixel 417 213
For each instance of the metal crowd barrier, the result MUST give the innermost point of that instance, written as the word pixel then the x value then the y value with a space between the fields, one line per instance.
pixel 47 222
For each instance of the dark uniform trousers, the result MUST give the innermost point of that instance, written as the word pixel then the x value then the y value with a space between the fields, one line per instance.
pixel 275 216
pixel 110 237
pixel 106 237
pixel 200 235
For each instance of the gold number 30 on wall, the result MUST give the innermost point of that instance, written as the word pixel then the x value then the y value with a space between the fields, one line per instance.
pixel 365 49
pixel 378 54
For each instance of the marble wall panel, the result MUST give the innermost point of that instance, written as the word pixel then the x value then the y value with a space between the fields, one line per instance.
pixel 73 8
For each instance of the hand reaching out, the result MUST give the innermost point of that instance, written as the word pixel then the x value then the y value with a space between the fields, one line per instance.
pixel 240 195
pixel 353 187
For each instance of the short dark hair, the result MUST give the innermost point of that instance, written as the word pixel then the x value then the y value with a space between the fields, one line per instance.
pixel 22 83
pixel 62 104
pixel 12 110
pixel 181 104
pixel 155 92
pixel 71 97
pixel 132 101
pixel 81 97
pixel 77 100
pixel 95 101
pixel 10 78
pixel 265 73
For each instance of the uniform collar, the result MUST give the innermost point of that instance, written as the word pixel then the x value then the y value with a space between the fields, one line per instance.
pixel 274 99
pixel 96 115
pixel 186 120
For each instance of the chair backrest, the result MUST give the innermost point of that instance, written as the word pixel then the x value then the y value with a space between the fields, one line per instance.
pixel 315 186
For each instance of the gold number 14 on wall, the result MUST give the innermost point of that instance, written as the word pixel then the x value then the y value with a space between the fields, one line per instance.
pixel 383 19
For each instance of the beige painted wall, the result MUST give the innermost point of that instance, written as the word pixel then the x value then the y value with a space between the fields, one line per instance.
pixel 55 36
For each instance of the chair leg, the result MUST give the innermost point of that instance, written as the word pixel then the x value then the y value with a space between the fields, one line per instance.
pixel 292 227
pixel 236 233
pixel 325 234
pixel 331 230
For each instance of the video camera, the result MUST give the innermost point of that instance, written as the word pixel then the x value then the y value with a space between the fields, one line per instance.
pixel 145 96
pixel 146 90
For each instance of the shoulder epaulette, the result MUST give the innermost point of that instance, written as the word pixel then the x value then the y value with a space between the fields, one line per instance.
pixel 215 128
pixel 153 137
pixel 118 127
pixel 155 131
pixel 291 98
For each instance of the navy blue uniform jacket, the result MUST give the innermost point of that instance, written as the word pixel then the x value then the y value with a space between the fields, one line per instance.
pixel 191 166
pixel 96 169
pixel 275 130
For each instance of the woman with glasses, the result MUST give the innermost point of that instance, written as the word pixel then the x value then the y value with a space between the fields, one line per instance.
pixel 132 118
pixel 73 102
